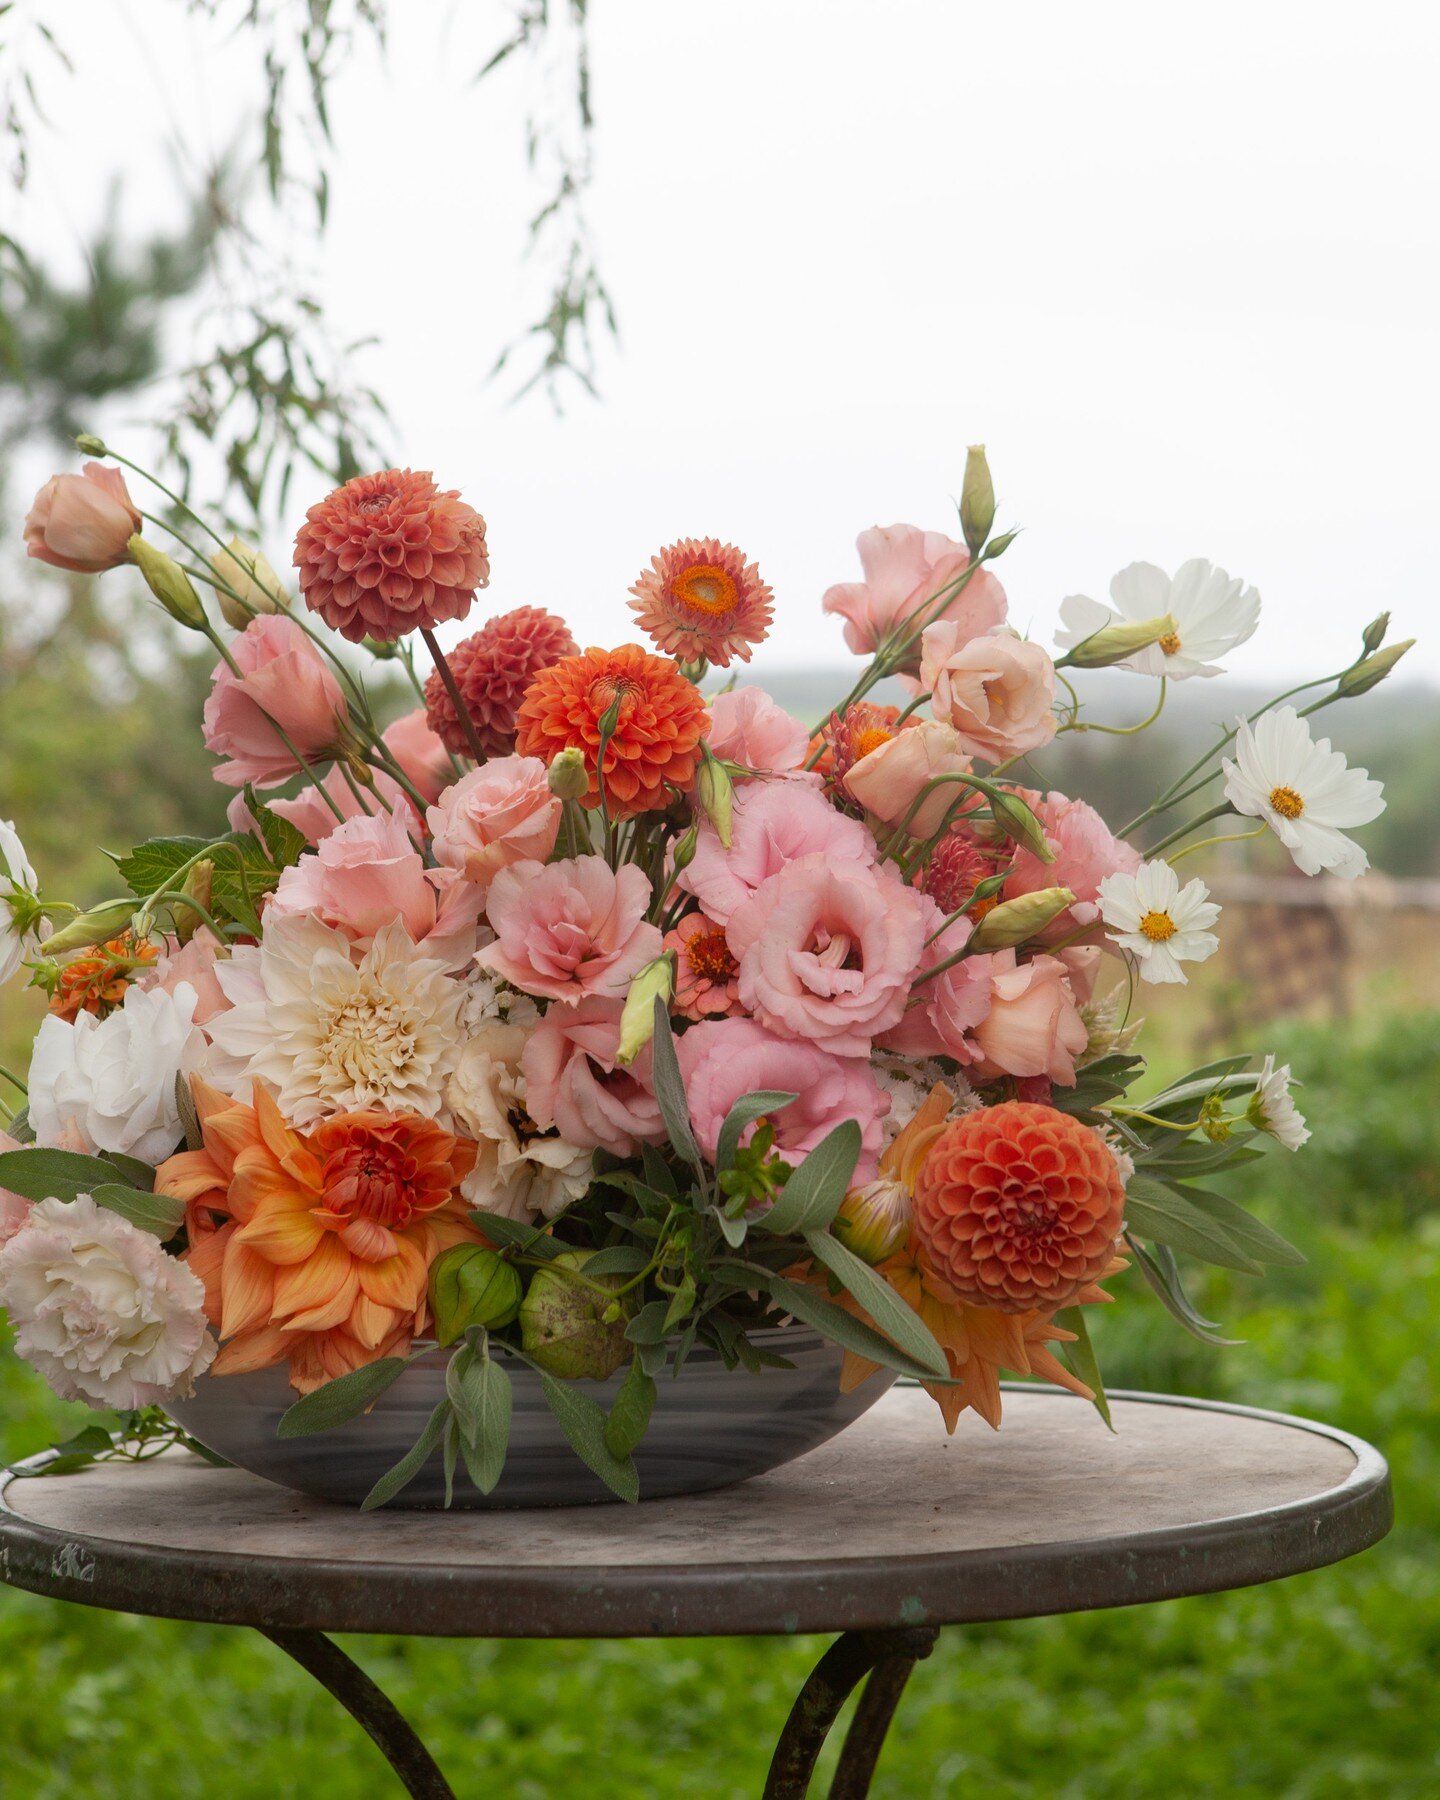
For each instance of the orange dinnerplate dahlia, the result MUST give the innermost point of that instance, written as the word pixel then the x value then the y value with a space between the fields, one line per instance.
pixel 700 598
pixel 655 746
pixel 315 1250
pixel 1018 1206
pixel 492 670
pixel 391 553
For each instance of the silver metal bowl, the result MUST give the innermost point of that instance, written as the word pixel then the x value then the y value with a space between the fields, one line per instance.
pixel 711 1426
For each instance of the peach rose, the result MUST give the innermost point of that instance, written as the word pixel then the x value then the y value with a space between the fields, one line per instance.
pixel 747 727
pixel 83 522
pixel 194 964
pixel 283 681
pixel 1033 1026
pixel 575 1085
pixel 892 777
pixel 774 823
pixel 424 761
pixel 570 930
pixel 501 813
pixel 996 690
pixel 905 569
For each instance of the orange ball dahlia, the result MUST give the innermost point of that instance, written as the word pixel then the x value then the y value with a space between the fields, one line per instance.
pixel 492 670
pixel 1018 1206
pixel 700 598
pixel 391 553
pixel 655 745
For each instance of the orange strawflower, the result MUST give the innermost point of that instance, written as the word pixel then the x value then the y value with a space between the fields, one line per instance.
pixel 700 598
pixel 315 1249
pixel 654 748
pixel 96 983
pixel 846 737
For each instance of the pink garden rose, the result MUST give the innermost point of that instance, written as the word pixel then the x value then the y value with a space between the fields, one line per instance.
pixel 83 522
pixel 997 690
pixel 194 965
pixel 827 952
pixel 946 1010
pixel 14 1209
pixel 309 814
pixel 1033 1026
pixel 501 813
pixel 574 1083
pixel 774 823
pixel 889 781
pixel 424 761
pixel 904 569
pixel 283 681
pixel 725 1059
pixel 747 727
pixel 570 930
pixel 1086 851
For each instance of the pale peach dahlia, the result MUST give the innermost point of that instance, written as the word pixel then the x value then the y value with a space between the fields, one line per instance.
pixel 700 598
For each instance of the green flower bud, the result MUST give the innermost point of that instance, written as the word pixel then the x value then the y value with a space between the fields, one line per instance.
pixel 198 884
pixel 470 1285
pixel 873 1220
pixel 252 579
pixel 683 854
pixel 563 1326
pixel 97 926
pixel 568 777
pixel 1374 635
pixel 381 649
pixel 1017 921
pixel 168 582
pixel 716 793
pixel 977 500
pixel 1019 823
pixel 1113 643
pixel 998 546
pixel 90 445
pixel 1371 672
pixel 656 981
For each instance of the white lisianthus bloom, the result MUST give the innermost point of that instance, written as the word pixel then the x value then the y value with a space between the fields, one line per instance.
pixel 1160 923
pixel 100 1309
pixel 520 1171
pixel 1304 791
pixel 20 924
pixel 1271 1108
pixel 331 1030
pixel 1213 612
pixel 109 1084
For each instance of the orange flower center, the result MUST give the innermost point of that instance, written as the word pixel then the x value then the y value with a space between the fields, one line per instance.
pixel 374 1180
pixel 707 589
pixel 871 738
pixel 604 689
pixel 1170 643
pixel 1157 926
pixel 709 956
pixel 1287 802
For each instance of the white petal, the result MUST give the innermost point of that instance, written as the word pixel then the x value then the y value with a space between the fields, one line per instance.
pixel 1141 591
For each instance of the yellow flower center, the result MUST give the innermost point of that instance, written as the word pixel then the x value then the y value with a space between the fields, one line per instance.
pixel 1286 802
pixel 1170 643
pixel 704 588
pixel 1157 926
pixel 871 739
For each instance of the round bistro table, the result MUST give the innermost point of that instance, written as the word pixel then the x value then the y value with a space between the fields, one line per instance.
pixel 886 1534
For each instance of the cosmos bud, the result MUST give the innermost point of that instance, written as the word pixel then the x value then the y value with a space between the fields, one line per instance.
pixel 1113 643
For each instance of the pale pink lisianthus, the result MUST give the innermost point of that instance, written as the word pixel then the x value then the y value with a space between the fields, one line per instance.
pixel 905 570
pixel 501 813
pixel 14 1208
pixel 365 875
pixel 83 522
pixel 1086 851
pixel 724 1059
pixel 315 818
pixel 747 727
pixel 1034 1025
pixel 570 930
pixel 774 823
pixel 826 952
pixel 894 777
pixel 424 761
pixel 997 690
pixel 194 965
pixel 283 682
pixel 945 1010
pixel 574 1082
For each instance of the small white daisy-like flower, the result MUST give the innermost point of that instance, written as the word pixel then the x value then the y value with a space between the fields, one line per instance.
pixel 1213 612
pixel 1159 922
pixel 1271 1108
pixel 21 926
pixel 1303 790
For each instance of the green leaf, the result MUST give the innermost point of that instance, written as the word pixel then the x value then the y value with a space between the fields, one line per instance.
pixel 52 1174
pixel 811 1197
pixel 892 1316
pixel 670 1090
pixel 681 1302
pixel 137 1174
pixel 342 1398
pixel 839 1326
pixel 1162 1213
pixel 658 1172
pixel 462 1388
pixel 1079 1357
pixel 284 843
pixel 1159 1269
pixel 513 1234
pixel 485 1456
pixel 1099 1082
pixel 743 1113
pixel 630 1411
pixel 450 1451
pixel 1258 1240
pixel 583 1423
pixel 1188 1158
pixel 161 1215
pixel 619 1259
pixel 648 1325
pixel 20 1127
pixel 410 1465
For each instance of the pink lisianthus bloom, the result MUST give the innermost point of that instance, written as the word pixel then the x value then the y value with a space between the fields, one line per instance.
pixel 893 777
pixel 570 930
pixel 501 813
pixel 424 761
pixel 1033 1026
pixel 943 1012
pixel 827 952
pixel 774 824
pixel 575 1084
pixel 309 814
pixel 905 569
pixel 365 875
pixel 14 1208
pixel 284 682
pixel 997 690
pixel 747 727
pixel 722 1060
pixel 706 973
pixel 1086 851
pixel 83 522
pixel 194 965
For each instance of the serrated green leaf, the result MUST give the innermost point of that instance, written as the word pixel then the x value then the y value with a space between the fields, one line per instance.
pixel 811 1197
pixel 583 1423
pixel 892 1316
pixel 341 1399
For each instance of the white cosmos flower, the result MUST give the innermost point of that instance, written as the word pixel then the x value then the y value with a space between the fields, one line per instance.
pixel 1304 792
pixel 1213 612
pixel 20 928
pixel 1271 1109
pixel 332 1030
pixel 1159 922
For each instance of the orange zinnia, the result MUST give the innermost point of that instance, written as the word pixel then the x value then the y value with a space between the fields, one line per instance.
pixel 315 1249
pixel 655 746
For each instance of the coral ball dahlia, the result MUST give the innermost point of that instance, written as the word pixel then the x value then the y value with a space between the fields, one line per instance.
pixel 655 745
pixel 700 598
pixel 391 553
pixel 492 671
pixel 1018 1206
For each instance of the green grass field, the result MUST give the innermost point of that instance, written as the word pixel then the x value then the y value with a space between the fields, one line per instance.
pixel 1320 1686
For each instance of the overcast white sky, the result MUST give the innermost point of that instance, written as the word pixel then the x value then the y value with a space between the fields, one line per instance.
pixel 1178 266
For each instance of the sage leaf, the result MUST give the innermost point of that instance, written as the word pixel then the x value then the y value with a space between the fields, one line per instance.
pixel 583 1423
pixel 891 1315
pixel 811 1197
pixel 410 1465
pixel 341 1399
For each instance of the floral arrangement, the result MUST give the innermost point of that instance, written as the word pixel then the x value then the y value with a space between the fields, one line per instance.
pixel 580 1016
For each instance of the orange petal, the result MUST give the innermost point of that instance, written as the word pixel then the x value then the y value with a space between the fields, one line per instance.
pixel 399 1281
pixel 1043 1363
pixel 854 1370
pixel 282 1236
pixel 371 1322
pixel 259 1350
pixel 189 1175
pixel 369 1240
pixel 247 1288
pixel 317 1294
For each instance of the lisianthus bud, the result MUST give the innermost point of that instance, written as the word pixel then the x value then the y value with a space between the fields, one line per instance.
pixel 873 1220
pixel 381 649
pixel 1374 634
pixel 168 582
pixel 656 981
pixel 1371 672
pixel 470 1285
pixel 716 793
pixel 98 925
pixel 198 885
pixel 977 500
pixel 998 546
pixel 256 587
pixel 1114 643
pixel 89 445
pixel 562 1324
pixel 568 777
pixel 683 854
pixel 1016 921
pixel 1019 823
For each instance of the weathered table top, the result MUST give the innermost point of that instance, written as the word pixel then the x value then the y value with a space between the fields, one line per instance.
pixel 892 1523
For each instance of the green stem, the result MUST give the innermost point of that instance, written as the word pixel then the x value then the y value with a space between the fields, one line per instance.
pixel 1120 730
pixel 1215 812
pixel 14 1080
pixel 1224 837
